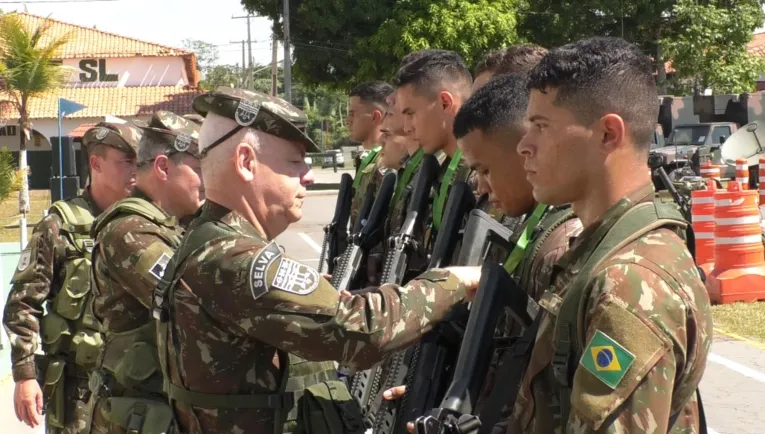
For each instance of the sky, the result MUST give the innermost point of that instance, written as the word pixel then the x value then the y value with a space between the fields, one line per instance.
pixel 166 22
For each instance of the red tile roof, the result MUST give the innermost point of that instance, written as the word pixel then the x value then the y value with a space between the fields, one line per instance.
pixel 80 131
pixel 85 42
pixel 757 45
pixel 115 101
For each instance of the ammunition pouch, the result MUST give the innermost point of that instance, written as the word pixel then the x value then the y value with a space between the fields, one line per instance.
pixel 327 408
pixel 132 359
pixel 54 383
pixel 70 300
pixel 140 416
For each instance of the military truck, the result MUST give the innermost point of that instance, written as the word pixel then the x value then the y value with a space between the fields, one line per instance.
pixel 697 126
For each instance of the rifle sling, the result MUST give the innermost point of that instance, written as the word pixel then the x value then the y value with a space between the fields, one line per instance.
pixel 519 251
pixel 411 166
pixel 364 163
pixel 443 191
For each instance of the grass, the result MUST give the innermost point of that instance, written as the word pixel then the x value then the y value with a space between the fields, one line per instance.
pixel 744 319
pixel 9 214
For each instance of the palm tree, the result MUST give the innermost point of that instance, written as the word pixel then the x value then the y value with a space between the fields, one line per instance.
pixel 28 69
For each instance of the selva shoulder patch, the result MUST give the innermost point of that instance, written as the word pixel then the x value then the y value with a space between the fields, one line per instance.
pixel 259 269
pixel 290 276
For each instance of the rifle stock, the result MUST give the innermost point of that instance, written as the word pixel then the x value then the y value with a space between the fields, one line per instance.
pixel 458 204
pixel 481 232
pixel 365 238
pixel 336 232
pixel 453 415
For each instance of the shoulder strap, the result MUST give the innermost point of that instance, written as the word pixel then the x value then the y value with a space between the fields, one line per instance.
pixel 547 226
pixel 75 214
pixel 371 155
pixel 569 327
pixel 137 206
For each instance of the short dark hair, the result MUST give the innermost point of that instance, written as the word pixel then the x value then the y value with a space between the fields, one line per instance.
pixel 429 69
pixel 601 75
pixel 373 92
pixel 516 58
pixel 500 103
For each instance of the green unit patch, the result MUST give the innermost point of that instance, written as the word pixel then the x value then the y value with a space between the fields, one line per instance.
pixel 606 359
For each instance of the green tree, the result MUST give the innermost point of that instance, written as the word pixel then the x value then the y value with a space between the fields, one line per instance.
pixel 207 53
pixel 708 49
pixel 28 69
pixel 222 75
pixel 342 42
pixel 701 39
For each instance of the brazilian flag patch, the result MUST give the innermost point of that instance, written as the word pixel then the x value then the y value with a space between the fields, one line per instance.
pixel 606 359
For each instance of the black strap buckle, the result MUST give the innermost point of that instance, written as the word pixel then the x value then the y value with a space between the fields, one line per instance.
pixel 560 365
pixel 136 419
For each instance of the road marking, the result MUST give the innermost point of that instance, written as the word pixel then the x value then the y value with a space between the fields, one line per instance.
pixel 741 369
pixel 758 345
pixel 310 242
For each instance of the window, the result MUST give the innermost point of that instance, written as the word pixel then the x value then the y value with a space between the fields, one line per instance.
pixel 720 132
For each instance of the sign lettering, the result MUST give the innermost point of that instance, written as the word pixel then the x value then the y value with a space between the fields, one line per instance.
pixel 91 74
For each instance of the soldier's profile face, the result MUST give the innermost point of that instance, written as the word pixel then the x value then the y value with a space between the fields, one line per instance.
pixel 185 182
pixel 423 117
pixel 360 119
pixel 118 170
pixel 278 188
pixel 558 150
pixel 495 158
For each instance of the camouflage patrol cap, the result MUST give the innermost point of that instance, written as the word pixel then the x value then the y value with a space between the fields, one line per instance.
pixel 167 128
pixel 123 137
pixel 194 118
pixel 256 110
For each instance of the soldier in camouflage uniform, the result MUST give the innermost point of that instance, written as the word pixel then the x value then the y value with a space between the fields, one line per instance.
pixel 366 110
pixel 235 304
pixel 431 90
pixel 513 59
pixel 626 327
pixel 488 128
pixel 53 273
pixel 134 241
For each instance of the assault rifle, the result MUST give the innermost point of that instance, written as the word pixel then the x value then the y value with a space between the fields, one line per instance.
pixel 336 232
pixel 682 202
pixel 459 203
pixel 368 235
pixel 365 385
pixel 454 414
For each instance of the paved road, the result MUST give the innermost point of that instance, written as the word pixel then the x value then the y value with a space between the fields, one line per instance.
pixel 732 387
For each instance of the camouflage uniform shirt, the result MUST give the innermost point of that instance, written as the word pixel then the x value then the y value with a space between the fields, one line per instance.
pixel 128 248
pixel 371 179
pixel 37 279
pixel 651 282
pixel 240 301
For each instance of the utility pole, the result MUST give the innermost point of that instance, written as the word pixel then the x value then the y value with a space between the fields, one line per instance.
pixel 287 59
pixel 274 66
pixel 249 53
pixel 244 71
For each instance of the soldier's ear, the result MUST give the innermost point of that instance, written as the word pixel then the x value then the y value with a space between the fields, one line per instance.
pixel 245 162
pixel 159 166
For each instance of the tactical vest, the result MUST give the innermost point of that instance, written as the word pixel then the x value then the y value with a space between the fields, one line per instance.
pixel 569 335
pixel 325 405
pixel 130 358
pixel 69 332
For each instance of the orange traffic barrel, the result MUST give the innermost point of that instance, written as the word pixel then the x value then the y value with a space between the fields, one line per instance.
pixel 703 220
pixel 739 268
pixel 708 171
pixel 762 182
pixel 742 173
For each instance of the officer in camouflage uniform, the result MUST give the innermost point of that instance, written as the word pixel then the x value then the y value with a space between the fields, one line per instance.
pixel 235 304
pixel 431 90
pixel 513 59
pixel 53 272
pixel 366 109
pixel 134 240
pixel 626 327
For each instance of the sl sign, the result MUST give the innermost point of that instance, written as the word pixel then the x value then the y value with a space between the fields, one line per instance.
pixel 95 70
